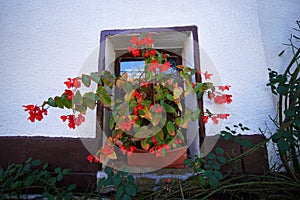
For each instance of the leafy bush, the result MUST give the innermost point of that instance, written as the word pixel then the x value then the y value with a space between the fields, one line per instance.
pixel 18 179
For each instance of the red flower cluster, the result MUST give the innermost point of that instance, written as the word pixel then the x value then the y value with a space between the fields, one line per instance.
pixel 156 109
pixel 158 151
pixel 69 94
pixel 92 158
pixel 143 41
pixel 126 124
pixel 137 108
pixel 225 98
pixel 72 82
pixel 215 118
pixel 72 120
pixel 108 149
pixel 178 141
pixel 35 112
pixel 207 75
pixel 205 119
pixel 135 52
pixel 129 151
pixel 162 67
pixel 223 88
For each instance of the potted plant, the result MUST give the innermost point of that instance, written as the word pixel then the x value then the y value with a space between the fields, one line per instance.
pixel 147 113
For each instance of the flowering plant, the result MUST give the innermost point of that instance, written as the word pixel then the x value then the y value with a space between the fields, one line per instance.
pixel 147 112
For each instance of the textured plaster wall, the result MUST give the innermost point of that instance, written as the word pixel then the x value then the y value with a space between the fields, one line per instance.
pixel 43 42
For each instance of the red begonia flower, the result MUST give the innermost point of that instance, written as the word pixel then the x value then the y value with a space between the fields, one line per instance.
pixel 215 119
pixel 72 83
pixel 134 41
pixel 153 66
pixel 225 98
pixel 90 158
pixel 223 88
pixel 126 124
pixel 205 119
pixel 69 94
pixel 164 67
pixel 207 75
pixel 147 41
pixel 35 112
pixel 152 52
pixel 223 116
pixel 135 52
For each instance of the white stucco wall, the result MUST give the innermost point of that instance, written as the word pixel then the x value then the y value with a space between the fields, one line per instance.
pixel 44 42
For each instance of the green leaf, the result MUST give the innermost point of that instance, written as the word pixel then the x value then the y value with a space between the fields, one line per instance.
pixel 159 57
pixel 282 89
pixel 171 128
pixel 226 135
pixel 29 160
pixel 52 180
pixel 289 113
pixel 67 103
pixel 45 166
pixel 111 122
pixel 297 121
pixel 59 102
pixel 130 189
pixel 213 181
pixel 218 174
pixel 168 108
pixel 130 179
pixel 51 102
pixel 29 181
pixel 126 197
pixel 188 161
pixel 221 159
pixel 216 166
pixel 77 100
pixel 177 92
pixel 196 114
pixel 207 173
pixel 59 177
pixel 211 156
pixel 66 171
pixel 219 150
pixel 108 79
pixel 104 96
pixel 117 181
pixel 95 77
pixel 90 100
pixel 207 166
pixel 170 97
pixel 145 145
pixel 198 87
pixel 120 192
pixel 108 171
pixel 283 146
pixel 36 162
pixel 201 180
pixel 80 109
pixel 179 134
pixel 57 170
pixel 86 80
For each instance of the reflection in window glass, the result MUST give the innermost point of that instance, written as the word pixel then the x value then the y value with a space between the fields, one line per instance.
pixel 135 68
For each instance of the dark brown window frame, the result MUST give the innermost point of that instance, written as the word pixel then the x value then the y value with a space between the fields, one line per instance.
pixel 101 63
